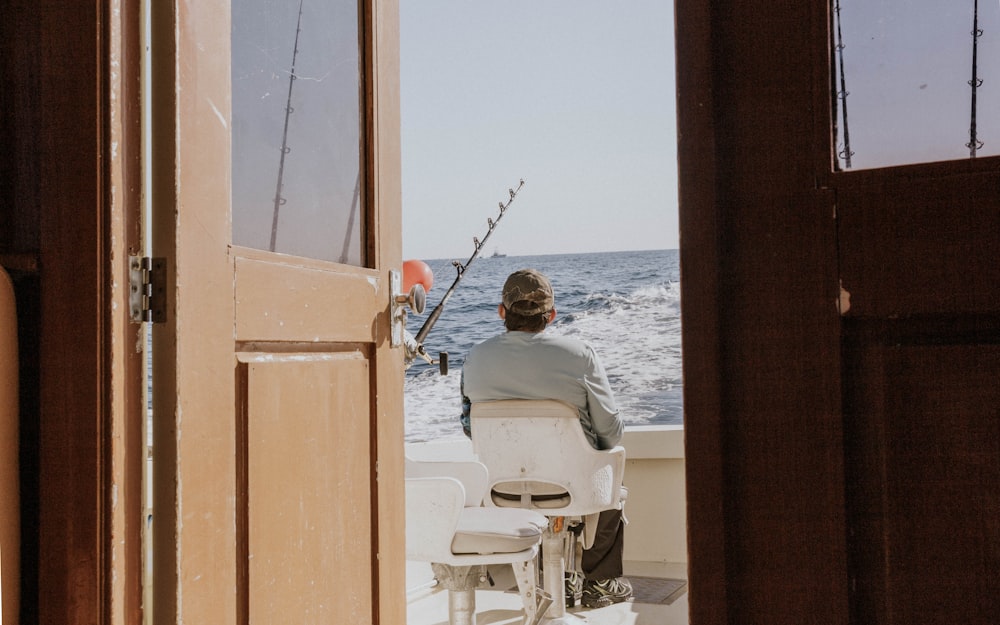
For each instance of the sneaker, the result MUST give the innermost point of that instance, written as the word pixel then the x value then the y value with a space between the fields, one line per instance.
pixel 601 594
pixel 574 587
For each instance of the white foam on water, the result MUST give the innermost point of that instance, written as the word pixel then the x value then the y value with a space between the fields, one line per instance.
pixel 637 337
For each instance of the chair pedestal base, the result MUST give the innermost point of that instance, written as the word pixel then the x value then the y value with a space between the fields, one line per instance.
pixel 554 547
pixel 554 567
pixel 462 607
pixel 461 583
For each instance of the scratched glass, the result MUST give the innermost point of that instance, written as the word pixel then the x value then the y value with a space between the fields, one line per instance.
pixel 915 81
pixel 297 159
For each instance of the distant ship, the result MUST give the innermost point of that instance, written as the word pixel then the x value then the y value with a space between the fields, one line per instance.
pixel 498 254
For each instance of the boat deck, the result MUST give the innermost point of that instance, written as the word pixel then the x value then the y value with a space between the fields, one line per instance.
pixel 652 582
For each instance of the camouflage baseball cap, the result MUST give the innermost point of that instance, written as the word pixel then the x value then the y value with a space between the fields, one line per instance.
pixel 528 292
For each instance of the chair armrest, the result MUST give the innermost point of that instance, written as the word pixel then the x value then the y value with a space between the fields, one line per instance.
pixel 595 480
pixel 472 475
pixel 618 474
pixel 433 507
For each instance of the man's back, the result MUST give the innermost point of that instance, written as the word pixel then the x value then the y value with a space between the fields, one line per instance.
pixel 537 365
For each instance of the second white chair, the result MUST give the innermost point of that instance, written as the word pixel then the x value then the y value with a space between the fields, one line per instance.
pixel 447 526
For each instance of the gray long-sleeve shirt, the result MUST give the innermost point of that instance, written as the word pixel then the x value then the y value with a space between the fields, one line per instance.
pixel 537 365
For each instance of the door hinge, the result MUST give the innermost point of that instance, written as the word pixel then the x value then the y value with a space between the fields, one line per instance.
pixel 147 292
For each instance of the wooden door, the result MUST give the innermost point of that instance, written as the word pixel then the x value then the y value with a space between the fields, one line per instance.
pixel 277 394
pixel 840 345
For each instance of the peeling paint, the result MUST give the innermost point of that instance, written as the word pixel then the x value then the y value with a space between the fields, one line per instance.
pixel 844 301
pixel 373 281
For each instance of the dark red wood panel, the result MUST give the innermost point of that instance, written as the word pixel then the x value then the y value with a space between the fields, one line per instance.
pixel 921 244
pixel 923 423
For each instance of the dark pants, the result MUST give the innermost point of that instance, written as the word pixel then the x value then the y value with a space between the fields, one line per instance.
pixel 604 558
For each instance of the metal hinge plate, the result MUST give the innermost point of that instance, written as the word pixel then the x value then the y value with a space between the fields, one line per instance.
pixel 147 291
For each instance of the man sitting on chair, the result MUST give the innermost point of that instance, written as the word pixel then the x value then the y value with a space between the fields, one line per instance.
pixel 526 363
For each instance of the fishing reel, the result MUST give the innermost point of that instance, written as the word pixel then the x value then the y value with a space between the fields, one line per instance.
pixel 414 350
pixel 410 288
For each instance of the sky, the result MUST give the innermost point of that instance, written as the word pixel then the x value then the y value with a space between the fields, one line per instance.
pixel 575 97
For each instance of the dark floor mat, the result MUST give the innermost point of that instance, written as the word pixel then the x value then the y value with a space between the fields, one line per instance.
pixel 657 590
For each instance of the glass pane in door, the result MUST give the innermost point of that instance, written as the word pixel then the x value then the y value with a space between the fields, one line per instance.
pixel 297 160
pixel 915 81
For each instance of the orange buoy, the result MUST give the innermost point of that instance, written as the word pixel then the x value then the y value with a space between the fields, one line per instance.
pixel 417 272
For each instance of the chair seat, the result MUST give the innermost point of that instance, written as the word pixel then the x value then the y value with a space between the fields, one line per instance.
pixel 497 530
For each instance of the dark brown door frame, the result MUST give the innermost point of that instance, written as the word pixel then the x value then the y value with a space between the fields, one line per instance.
pixel 71 103
pixel 761 327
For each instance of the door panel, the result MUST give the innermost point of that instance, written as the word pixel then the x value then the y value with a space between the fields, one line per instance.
pixel 923 420
pixel 277 395
pixel 918 242
pixel 311 289
pixel 307 503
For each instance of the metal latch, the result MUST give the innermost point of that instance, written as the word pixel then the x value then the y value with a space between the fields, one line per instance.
pixel 147 292
pixel 416 299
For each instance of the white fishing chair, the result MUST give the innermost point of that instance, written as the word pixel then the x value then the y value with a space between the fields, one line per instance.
pixel 447 526
pixel 538 458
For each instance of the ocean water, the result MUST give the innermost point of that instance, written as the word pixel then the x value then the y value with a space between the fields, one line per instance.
pixel 625 304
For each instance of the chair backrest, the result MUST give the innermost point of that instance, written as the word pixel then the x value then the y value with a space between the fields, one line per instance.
pixel 472 475
pixel 538 457
pixel 433 508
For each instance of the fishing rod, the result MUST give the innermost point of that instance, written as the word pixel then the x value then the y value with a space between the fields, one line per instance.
pixel 460 269
pixel 974 143
pixel 846 153
pixel 278 200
